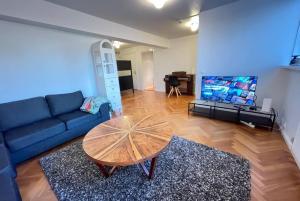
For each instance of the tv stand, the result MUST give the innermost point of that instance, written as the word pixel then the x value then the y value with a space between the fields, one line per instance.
pixel 233 113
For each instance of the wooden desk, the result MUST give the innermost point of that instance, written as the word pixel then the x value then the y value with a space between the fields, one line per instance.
pixel 187 84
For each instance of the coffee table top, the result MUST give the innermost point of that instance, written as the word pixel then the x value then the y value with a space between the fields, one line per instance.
pixel 127 140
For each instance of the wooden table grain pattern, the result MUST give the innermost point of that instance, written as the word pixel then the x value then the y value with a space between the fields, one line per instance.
pixel 128 140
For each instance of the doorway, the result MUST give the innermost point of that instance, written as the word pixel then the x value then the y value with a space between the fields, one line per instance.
pixel 148 70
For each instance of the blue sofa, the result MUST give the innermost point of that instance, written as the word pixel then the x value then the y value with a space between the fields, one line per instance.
pixel 32 126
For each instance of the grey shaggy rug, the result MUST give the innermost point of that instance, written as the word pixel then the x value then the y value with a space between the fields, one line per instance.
pixel 184 171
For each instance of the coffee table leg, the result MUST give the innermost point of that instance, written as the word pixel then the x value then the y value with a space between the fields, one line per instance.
pixel 152 167
pixel 103 170
pixel 150 172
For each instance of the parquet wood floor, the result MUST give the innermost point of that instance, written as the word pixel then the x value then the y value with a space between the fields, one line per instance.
pixel 274 174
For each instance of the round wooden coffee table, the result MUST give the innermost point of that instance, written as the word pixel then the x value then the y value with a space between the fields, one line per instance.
pixel 127 140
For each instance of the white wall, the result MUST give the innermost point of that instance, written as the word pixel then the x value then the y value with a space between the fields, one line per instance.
pixel 37 61
pixel 290 109
pixel 249 38
pixel 297 43
pixel 180 56
pixel 290 117
pixel 256 38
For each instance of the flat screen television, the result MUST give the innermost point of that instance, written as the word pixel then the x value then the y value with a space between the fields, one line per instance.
pixel 229 89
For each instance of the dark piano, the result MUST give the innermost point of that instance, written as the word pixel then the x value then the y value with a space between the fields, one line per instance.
pixel 187 82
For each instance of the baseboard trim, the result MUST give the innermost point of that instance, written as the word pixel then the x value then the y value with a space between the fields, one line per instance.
pixel 290 146
pixel 286 139
pixel 295 158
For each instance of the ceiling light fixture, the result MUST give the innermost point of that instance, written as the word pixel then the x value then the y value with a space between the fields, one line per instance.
pixel 193 23
pixel 117 44
pixel 158 3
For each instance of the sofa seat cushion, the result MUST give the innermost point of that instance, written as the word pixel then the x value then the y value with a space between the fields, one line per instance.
pixel 24 136
pixel 77 118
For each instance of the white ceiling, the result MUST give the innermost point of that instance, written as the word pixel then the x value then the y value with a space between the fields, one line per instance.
pixel 140 14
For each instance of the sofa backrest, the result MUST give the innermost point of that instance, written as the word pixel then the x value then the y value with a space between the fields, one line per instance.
pixel 64 103
pixel 20 113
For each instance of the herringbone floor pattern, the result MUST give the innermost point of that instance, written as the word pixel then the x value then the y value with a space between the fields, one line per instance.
pixel 274 174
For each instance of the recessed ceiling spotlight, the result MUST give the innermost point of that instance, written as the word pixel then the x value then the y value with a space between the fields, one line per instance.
pixel 193 23
pixel 158 3
pixel 117 44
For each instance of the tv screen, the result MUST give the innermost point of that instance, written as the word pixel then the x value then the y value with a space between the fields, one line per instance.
pixel 229 89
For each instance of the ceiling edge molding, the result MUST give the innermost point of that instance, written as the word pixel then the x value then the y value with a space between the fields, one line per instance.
pixel 46 14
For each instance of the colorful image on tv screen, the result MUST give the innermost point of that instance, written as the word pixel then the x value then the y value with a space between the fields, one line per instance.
pixel 229 89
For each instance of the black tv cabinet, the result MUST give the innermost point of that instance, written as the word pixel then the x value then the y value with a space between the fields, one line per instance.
pixel 233 113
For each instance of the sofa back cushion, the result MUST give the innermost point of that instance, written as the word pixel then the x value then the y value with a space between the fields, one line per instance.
pixel 20 113
pixel 64 103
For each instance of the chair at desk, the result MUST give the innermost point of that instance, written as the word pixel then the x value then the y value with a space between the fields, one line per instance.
pixel 174 83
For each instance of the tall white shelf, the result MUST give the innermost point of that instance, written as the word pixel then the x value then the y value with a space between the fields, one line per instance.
pixel 106 71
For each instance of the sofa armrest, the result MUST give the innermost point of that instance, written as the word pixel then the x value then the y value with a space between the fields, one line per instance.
pixel 5 160
pixel 104 111
pixel 6 164
pixel 9 189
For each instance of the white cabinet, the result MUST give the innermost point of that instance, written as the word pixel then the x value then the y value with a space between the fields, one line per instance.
pixel 106 72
